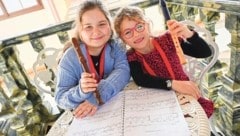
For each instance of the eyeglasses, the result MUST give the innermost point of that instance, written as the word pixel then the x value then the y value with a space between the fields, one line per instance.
pixel 128 33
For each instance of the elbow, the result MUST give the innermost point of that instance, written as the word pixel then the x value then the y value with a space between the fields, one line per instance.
pixel 208 53
pixel 204 53
pixel 59 102
pixel 57 99
pixel 62 102
pixel 139 82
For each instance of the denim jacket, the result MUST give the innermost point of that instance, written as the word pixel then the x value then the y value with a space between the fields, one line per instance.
pixel 116 75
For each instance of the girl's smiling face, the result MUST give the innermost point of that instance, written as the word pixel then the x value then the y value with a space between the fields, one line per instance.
pixel 95 29
pixel 135 33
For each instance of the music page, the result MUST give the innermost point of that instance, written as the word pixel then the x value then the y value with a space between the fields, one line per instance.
pixel 144 112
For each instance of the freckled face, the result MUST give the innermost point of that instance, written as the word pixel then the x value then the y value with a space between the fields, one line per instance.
pixel 95 29
pixel 138 40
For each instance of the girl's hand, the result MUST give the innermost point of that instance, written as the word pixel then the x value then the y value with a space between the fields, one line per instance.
pixel 186 87
pixel 179 29
pixel 88 82
pixel 85 109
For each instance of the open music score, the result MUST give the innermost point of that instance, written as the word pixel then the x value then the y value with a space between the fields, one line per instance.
pixel 145 112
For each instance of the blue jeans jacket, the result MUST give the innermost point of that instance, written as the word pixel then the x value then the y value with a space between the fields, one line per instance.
pixel 116 75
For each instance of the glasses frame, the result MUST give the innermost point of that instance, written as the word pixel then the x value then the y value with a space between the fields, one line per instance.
pixel 135 28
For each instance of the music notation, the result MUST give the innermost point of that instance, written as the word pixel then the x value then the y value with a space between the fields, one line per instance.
pixel 144 112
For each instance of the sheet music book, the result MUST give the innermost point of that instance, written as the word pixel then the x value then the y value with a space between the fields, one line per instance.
pixel 145 112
